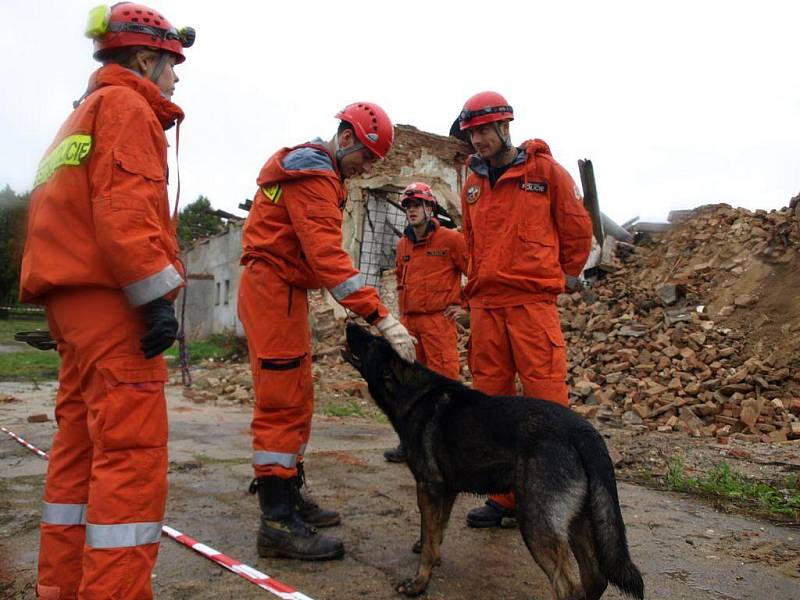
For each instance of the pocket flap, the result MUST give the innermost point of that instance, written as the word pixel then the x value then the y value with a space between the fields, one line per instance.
pixel 536 233
pixel 126 370
pixel 322 210
pixel 142 164
pixel 556 336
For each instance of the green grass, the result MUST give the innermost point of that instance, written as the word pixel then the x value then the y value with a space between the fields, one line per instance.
pixel 348 408
pixel 37 365
pixel 200 350
pixel 8 327
pixel 723 483
pixel 33 365
pixel 219 347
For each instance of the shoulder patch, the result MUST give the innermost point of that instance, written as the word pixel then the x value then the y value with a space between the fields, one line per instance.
pixel 473 193
pixel 303 159
pixel 272 192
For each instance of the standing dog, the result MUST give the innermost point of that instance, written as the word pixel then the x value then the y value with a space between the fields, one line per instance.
pixel 460 440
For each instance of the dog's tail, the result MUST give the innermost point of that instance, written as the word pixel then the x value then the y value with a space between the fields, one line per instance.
pixel 608 527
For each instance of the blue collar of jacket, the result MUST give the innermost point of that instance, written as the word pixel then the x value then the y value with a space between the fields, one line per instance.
pixel 481 166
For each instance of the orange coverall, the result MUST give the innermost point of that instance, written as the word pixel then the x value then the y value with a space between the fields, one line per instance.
pixel 100 243
pixel 292 242
pixel 428 281
pixel 522 236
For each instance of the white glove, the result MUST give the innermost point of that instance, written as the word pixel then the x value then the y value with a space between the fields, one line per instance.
pixel 398 337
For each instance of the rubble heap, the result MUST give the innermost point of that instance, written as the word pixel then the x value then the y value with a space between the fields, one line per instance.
pixel 698 330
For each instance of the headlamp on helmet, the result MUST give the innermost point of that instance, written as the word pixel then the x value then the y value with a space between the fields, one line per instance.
pixel 97 23
pixel 127 24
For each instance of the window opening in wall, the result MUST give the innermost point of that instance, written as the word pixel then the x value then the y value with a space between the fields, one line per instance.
pixel 383 225
pixel 216 301
pixel 227 290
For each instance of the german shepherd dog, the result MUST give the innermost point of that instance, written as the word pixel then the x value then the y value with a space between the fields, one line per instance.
pixel 460 440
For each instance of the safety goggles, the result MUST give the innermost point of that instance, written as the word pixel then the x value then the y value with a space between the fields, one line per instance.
pixel 467 115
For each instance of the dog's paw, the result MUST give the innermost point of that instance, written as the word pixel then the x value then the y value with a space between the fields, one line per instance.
pixel 413 586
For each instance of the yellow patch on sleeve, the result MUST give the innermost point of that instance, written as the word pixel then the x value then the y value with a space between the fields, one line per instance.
pixel 273 192
pixel 71 151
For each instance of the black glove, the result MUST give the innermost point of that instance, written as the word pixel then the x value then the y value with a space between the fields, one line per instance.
pixel 39 339
pixel 161 327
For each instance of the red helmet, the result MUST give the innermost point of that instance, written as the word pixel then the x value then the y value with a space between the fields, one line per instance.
pixel 418 191
pixel 127 24
pixel 485 107
pixel 372 126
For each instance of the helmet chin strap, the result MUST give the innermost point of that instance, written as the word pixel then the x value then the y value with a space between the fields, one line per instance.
pixel 507 145
pixel 161 63
pixel 340 153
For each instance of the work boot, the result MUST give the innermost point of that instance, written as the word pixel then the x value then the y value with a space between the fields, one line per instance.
pixel 396 455
pixel 282 532
pixel 491 514
pixel 311 512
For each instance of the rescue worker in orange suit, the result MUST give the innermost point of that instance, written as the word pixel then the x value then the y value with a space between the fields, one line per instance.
pixel 292 243
pixel 526 228
pixel 429 262
pixel 101 254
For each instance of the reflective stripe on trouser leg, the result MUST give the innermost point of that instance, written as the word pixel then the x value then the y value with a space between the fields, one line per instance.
pixel 283 459
pixel 122 535
pixel 64 514
pixel 66 488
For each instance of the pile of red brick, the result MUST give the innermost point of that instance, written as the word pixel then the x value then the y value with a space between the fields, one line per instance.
pixel 696 331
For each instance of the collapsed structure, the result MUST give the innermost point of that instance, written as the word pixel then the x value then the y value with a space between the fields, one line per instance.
pixel 373 221
pixel 698 330
pixel 695 328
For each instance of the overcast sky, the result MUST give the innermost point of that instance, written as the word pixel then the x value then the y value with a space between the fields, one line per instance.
pixel 677 103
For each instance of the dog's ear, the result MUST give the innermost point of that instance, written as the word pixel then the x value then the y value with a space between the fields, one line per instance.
pixel 400 369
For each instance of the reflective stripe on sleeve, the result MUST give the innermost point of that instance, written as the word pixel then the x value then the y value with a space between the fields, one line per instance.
pixel 284 459
pixel 152 287
pixel 348 286
pixel 122 535
pixel 64 514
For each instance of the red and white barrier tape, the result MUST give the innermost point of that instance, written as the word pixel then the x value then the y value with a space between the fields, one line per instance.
pixel 24 443
pixel 252 575
pixel 244 571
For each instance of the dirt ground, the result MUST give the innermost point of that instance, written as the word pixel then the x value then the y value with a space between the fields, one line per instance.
pixel 685 549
